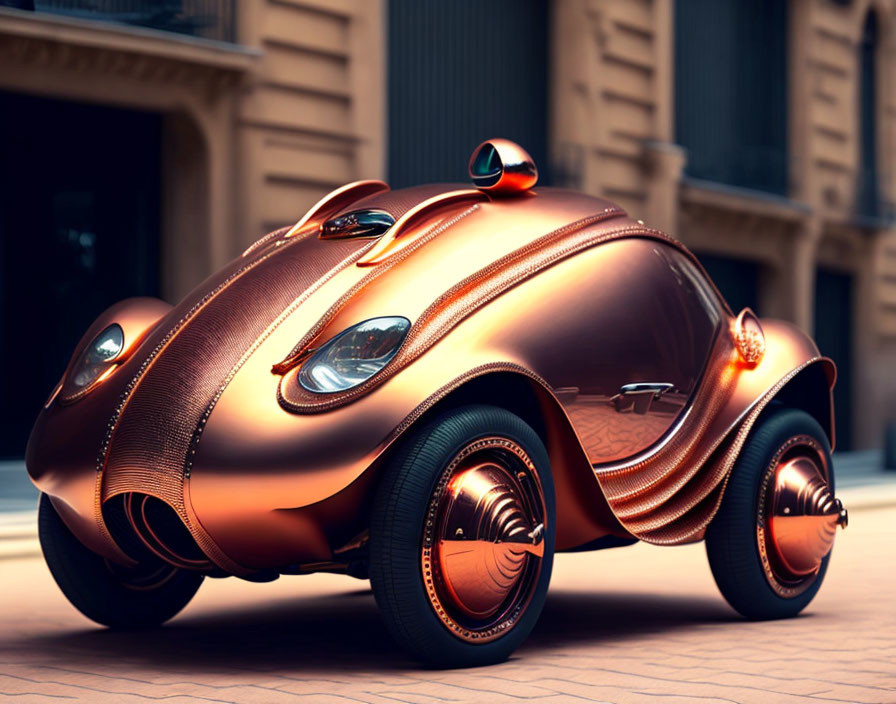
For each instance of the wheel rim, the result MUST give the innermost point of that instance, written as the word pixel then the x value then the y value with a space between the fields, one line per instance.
pixel 483 542
pixel 798 516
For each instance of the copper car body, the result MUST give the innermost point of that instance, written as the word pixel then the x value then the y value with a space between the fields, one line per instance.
pixel 604 334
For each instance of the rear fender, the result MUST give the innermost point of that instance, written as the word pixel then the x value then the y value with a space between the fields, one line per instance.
pixel 793 373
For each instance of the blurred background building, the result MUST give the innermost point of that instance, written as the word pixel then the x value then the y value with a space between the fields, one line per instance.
pixel 143 144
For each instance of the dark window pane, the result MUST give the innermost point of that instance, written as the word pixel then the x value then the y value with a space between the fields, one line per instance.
pixel 462 72
pixel 834 335
pixel 731 91
pixel 868 191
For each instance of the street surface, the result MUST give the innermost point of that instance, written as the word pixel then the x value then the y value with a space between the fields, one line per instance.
pixel 634 624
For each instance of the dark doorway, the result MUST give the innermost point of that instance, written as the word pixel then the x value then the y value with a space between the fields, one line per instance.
pixel 459 73
pixel 79 230
pixel 834 337
pixel 737 279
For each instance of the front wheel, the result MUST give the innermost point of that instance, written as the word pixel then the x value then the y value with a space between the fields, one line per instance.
pixel 462 537
pixel 769 545
pixel 110 594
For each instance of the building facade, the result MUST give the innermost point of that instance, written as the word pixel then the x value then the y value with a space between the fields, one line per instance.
pixel 762 134
pixel 145 144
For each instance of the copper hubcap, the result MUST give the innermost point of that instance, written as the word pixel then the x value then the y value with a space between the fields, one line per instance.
pixel 798 516
pixel 483 540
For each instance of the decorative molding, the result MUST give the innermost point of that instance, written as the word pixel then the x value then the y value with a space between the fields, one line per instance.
pixel 38 41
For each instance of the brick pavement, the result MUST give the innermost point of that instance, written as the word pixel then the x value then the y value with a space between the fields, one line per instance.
pixel 630 625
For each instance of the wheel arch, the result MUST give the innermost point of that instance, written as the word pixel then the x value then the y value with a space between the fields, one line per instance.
pixel 811 390
pixel 583 514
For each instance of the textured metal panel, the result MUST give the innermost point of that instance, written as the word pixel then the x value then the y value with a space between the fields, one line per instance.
pixel 685 518
pixel 153 438
pixel 640 493
pixel 671 496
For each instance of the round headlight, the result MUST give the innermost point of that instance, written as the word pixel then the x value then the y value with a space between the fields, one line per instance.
pixel 353 356
pixel 95 360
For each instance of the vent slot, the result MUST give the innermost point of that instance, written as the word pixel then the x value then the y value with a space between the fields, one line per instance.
pixel 148 528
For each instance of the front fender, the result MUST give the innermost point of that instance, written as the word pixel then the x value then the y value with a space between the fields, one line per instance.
pixel 271 487
pixel 61 456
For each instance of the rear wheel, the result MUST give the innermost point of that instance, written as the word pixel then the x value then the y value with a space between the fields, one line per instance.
pixel 111 594
pixel 769 545
pixel 462 537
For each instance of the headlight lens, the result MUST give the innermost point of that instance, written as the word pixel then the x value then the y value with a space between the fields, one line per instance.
pixel 98 356
pixel 353 356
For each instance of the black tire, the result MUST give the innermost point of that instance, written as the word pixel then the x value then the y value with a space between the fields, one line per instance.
pixel 396 535
pixel 113 596
pixel 731 540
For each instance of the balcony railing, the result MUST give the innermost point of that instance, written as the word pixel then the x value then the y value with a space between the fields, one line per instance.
pixel 209 19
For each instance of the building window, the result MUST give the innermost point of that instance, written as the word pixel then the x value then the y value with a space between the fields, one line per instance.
pixel 460 73
pixel 868 200
pixel 731 91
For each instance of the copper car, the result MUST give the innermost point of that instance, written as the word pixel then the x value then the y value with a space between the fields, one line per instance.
pixel 438 388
